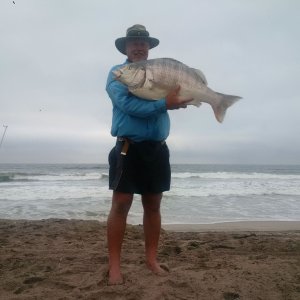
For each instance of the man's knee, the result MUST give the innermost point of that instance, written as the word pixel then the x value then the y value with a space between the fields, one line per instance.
pixel 121 202
pixel 151 203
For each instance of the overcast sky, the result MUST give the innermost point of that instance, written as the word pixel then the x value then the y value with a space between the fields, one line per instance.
pixel 55 56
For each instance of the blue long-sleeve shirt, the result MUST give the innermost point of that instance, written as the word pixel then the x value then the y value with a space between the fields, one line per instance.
pixel 135 118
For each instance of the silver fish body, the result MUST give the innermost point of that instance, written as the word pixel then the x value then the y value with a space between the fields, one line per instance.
pixel 153 79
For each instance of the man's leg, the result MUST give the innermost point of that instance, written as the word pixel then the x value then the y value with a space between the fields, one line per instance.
pixel 152 226
pixel 116 225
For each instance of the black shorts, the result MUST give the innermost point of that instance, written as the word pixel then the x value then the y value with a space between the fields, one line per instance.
pixel 144 169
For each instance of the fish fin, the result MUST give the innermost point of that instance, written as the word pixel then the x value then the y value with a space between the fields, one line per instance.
pixel 200 75
pixel 161 89
pixel 159 85
pixel 197 104
pixel 224 102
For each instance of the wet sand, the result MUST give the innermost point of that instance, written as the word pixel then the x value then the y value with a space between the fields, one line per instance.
pixel 67 259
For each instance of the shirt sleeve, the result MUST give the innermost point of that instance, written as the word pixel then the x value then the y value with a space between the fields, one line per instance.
pixel 130 104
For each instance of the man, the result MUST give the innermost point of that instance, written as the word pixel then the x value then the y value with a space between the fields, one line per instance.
pixel 139 162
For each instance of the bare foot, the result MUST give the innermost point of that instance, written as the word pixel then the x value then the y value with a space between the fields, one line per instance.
pixel 158 269
pixel 115 278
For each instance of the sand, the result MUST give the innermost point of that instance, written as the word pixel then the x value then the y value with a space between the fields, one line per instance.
pixel 67 259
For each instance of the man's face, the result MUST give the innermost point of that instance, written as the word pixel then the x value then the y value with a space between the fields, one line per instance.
pixel 137 50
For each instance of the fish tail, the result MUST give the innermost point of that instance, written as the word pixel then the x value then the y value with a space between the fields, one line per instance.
pixel 224 102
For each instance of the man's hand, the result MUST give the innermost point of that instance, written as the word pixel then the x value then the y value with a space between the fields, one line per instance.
pixel 173 101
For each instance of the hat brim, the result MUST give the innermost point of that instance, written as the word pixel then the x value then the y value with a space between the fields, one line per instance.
pixel 121 42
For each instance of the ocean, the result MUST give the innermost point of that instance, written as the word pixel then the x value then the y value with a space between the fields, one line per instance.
pixel 200 194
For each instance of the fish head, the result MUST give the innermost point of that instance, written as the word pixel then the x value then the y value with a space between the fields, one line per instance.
pixel 133 75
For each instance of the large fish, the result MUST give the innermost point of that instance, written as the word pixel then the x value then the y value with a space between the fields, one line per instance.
pixel 153 79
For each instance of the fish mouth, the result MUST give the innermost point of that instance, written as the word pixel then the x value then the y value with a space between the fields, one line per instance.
pixel 117 73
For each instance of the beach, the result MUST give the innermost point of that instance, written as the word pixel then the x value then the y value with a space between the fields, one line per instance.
pixel 67 259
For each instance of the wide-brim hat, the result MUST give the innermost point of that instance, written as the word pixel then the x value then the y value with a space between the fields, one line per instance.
pixel 135 32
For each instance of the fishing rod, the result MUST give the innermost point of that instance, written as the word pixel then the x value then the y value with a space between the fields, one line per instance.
pixel 2 139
